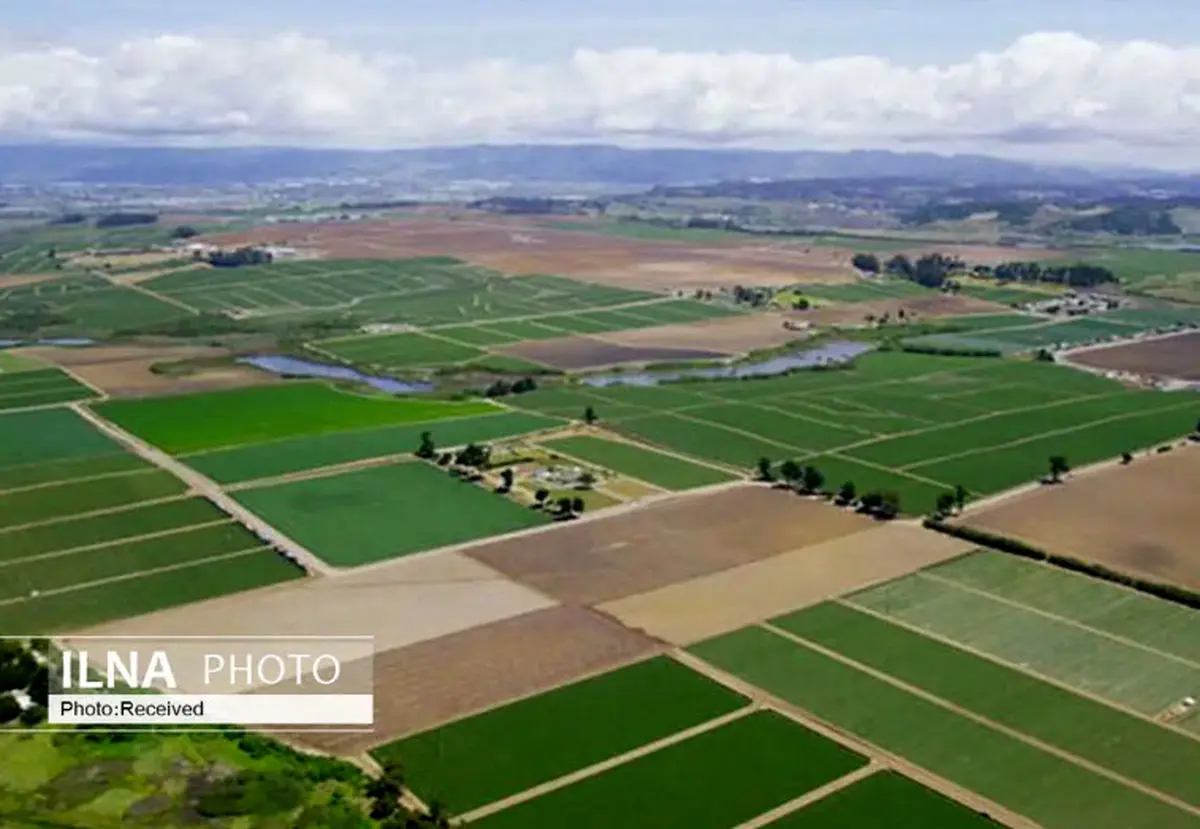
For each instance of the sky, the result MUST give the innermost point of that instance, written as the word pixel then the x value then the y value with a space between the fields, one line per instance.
pixel 1095 82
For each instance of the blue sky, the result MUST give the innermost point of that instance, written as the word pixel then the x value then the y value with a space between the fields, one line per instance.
pixel 908 31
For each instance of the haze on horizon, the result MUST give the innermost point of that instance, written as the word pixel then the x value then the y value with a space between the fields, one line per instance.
pixel 1072 81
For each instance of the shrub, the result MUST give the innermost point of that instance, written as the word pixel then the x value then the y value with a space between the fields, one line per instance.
pixel 252 793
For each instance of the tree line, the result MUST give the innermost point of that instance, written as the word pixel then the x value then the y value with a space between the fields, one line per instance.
pixel 935 270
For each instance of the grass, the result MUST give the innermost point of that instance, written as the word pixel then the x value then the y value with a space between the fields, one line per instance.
pixel 88 305
pixel 908 805
pixel 69 533
pixel 283 457
pixel 644 464
pixel 1123 673
pixel 402 351
pixel 385 512
pixel 27 389
pixel 1047 789
pixel 193 423
pixel 507 750
pixel 1126 744
pixel 72 498
pixel 718 779
pixel 12 362
pixel 145 594
pixel 49 435
pixel 47 472
pixel 70 569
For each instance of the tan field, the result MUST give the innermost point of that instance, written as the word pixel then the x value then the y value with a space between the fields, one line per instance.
pixel 1175 356
pixel 732 335
pixel 19 279
pixel 642 549
pixel 690 611
pixel 918 307
pixel 1140 518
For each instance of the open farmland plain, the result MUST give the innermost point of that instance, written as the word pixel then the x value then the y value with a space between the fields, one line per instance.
pixel 1174 356
pixel 89 532
pixel 89 305
pixel 914 424
pixel 41 387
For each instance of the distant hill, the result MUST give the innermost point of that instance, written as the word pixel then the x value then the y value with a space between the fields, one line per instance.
pixel 597 164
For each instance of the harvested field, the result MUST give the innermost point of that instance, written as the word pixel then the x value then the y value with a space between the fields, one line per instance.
pixel 515 247
pixel 927 305
pixel 401 604
pixel 646 548
pixel 19 279
pixel 1175 356
pixel 126 370
pixel 1140 518
pixel 730 335
pixel 687 612
pixel 576 353
pixel 439 680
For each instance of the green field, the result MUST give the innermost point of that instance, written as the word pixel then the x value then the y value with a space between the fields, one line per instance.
pixel 646 465
pixel 49 435
pixel 27 389
pixel 1134 748
pixel 507 750
pixel 864 290
pixel 715 780
pixel 12 362
pixel 215 420
pixel 1169 274
pixel 385 512
pixel 913 423
pixel 401 351
pixel 66 498
pixel 283 457
pixel 1047 789
pixel 87 305
pixel 908 805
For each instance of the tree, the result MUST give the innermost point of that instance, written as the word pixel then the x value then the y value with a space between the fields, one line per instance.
pixel 801 304
pixel 871 502
pixel 1058 467
pixel 500 388
pixel 10 709
pixel 577 505
pixel 587 480
pixel 889 507
pixel 564 506
pixel 945 503
pixel 540 497
pixel 790 471
pixel 813 479
pixel 764 470
pixel 866 262
pixel 474 456
pixel 590 416
pixel 507 477
pixel 427 450
pixel 960 497
pixel 525 384
pixel 184 232
pixel 1126 458
pixel 445 459
pixel 847 493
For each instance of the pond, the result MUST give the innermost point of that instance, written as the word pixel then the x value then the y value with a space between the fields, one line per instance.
pixel 841 351
pixel 293 367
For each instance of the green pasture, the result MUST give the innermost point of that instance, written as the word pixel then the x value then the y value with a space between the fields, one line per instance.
pixel 1047 789
pixel 134 596
pixel 385 512
pixel 68 570
pixel 1124 673
pixel 28 506
pixel 14 362
pixel 864 290
pixel 194 423
pixel 283 457
pixel 646 465
pixel 507 750
pixel 1002 295
pixel 87 305
pixel 1170 274
pixel 1126 744
pixel 50 472
pixel 907 804
pixel 407 350
pixel 107 528
pixel 48 436
pixel 27 389
pixel 987 322
pixel 715 780
pixel 1099 605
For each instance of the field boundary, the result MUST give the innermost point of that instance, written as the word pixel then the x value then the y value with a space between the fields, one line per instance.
pixel 117 542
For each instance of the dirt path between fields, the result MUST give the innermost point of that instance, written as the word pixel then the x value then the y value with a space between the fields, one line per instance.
pixel 810 797
pixel 1062 754
pixel 883 758
pixel 205 487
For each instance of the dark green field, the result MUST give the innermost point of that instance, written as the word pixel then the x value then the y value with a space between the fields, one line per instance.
pixel 69 498
pixel 28 389
pixel 627 459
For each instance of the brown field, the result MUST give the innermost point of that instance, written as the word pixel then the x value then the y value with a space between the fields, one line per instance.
pixel 1141 518
pixel 575 353
pixel 731 335
pixel 512 246
pixel 690 611
pixel 985 254
pixel 615 556
pixel 121 370
pixel 929 306
pixel 1175 356
pixel 427 684
pixel 16 280
pixel 404 602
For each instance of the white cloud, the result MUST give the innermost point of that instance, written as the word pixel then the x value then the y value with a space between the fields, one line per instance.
pixel 1050 89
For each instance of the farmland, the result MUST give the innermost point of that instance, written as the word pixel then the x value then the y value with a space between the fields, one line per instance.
pixel 45 387
pixel 1175 356
pixel 196 423
pixel 386 511
pixel 85 304
pixel 914 424
pixel 88 532
pixel 629 459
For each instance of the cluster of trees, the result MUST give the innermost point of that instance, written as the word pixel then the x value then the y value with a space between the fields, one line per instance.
pixel 503 388
pixel 1077 275
pixel 754 297
pixel 126 219
pixel 73 218
pixel 239 258
pixel 184 232
pixel 565 508
pixel 23 675
pixel 809 480
pixel 934 270
pixel 384 793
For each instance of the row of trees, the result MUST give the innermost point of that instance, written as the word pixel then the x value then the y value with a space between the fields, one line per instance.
pixel 809 480
pixel 240 257
pixel 934 270
pixel 503 388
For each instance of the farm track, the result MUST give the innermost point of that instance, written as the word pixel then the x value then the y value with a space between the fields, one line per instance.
pixel 984 721
pixel 205 487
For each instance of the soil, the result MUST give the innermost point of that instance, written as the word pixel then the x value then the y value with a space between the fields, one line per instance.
pixel 1140 518
pixel 16 280
pixel 515 246
pixel 424 685
pixel 666 541
pixel 121 370
pixel 731 335
pixel 916 307
pixel 577 353
pixel 694 610
pixel 1177 357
